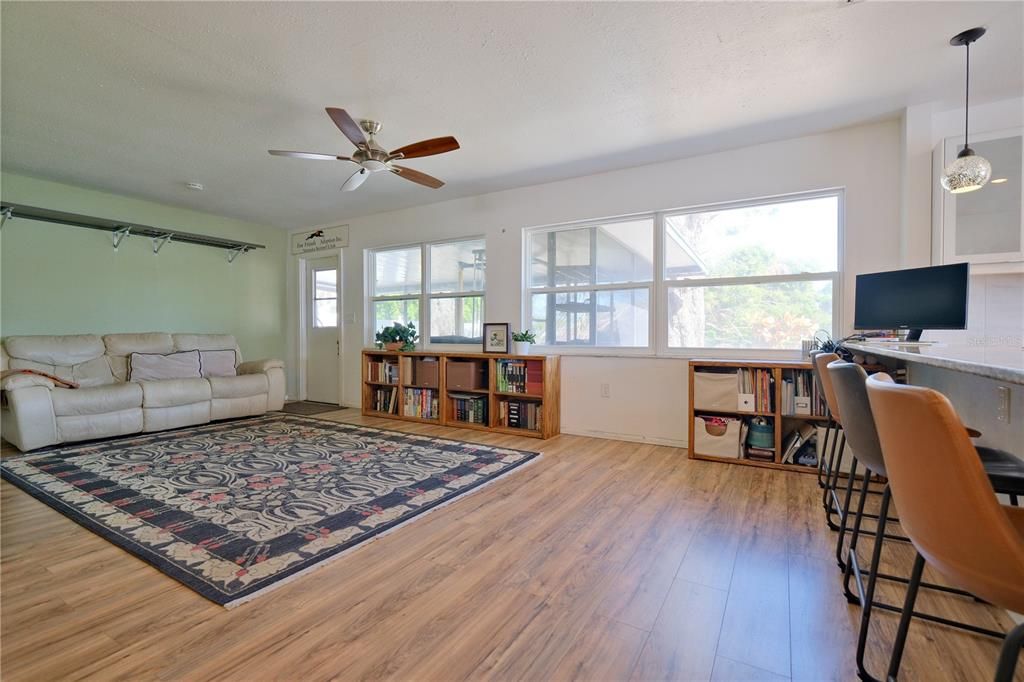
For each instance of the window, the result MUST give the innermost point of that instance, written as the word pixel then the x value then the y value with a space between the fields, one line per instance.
pixel 325 298
pixel 759 275
pixel 450 306
pixel 751 276
pixel 591 285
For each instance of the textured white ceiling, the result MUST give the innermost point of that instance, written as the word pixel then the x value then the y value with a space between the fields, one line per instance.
pixel 140 97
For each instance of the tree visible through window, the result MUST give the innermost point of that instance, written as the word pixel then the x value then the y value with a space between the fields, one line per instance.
pixel 753 276
pixel 744 275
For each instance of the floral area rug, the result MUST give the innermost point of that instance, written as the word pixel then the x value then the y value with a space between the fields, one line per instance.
pixel 235 508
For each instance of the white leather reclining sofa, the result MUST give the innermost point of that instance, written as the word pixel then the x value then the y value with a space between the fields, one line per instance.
pixel 37 412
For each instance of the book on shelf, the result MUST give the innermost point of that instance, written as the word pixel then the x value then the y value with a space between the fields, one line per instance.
pixel 520 376
pixel 760 384
pixel 760 454
pixel 520 414
pixel 800 435
pixel 385 400
pixel 421 402
pixel 469 407
pixel 800 395
pixel 382 371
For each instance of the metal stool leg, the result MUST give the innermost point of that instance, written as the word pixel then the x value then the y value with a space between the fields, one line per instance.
pixel 822 471
pixel 908 613
pixel 832 505
pixel 869 596
pixel 851 555
pixel 846 513
pixel 1009 653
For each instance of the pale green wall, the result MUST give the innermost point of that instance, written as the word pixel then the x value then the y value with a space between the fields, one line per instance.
pixel 56 279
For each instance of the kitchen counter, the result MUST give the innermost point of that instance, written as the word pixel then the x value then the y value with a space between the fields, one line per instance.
pixel 1001 363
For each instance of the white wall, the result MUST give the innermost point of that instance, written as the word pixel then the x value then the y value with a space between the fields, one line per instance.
pixel 648 396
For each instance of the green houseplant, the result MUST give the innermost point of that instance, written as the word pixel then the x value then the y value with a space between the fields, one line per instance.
pixel 398 336
pixel 523 340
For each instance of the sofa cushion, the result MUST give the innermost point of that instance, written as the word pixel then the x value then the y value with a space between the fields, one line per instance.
pixel 67 350
pixel 95 400
pixel 218 363
pixel 174 392
pixel 158 366
pixel 242 386
pixel 120 346
pixel 95 372
pixel 207 342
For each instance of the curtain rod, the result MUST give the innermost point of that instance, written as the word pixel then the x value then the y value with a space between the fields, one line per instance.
pixel 122 229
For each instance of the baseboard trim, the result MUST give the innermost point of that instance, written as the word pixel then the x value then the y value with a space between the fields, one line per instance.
pixel 628 437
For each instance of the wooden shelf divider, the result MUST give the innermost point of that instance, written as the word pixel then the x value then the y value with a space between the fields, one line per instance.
pixel 547 395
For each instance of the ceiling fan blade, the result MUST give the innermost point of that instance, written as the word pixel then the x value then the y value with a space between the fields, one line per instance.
pixel 416 176
pixel 347 126
pixel 437 145
pixel 356 179
pixel 309 155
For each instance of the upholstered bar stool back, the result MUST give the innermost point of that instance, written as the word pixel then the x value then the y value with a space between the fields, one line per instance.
pixel 821 362
pixel 848 384
pixel 947 505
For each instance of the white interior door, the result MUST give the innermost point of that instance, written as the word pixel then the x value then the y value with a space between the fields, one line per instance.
pixel 322 339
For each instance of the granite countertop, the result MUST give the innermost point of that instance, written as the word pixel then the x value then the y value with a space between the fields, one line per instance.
pixel 1002 363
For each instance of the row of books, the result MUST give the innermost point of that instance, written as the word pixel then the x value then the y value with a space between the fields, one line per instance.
pixel 520 414
pixel 384 371
pixel 520 376
pixel 800 445
pixel 385 400
pixel 421 402
pixel 759 385
pixel 800 395
pixel 470 408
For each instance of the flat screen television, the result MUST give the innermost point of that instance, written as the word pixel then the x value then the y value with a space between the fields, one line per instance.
pixel 913 299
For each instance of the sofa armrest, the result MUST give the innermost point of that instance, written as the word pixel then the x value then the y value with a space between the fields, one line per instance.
pixel 259 366
pixel 16 381
pixel 27 418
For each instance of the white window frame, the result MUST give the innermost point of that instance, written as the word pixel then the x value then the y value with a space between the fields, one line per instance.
pixel 659 287
pixel 424 296
pixel 649 285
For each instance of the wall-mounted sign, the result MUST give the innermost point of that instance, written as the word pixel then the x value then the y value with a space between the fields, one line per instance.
pixel 323 239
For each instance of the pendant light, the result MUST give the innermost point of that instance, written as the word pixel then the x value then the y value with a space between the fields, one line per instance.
pixel 968 171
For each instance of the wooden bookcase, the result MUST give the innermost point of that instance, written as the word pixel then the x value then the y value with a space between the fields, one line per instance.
pixel 783 423
pixel 409 381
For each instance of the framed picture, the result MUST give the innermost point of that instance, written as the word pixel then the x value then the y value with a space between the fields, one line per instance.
pixel 496 337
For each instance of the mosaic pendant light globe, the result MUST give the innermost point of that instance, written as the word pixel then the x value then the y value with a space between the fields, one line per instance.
pixel 968 171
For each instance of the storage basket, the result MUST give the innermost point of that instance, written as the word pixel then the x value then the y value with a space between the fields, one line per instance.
pixel 715 391
pixel 705 442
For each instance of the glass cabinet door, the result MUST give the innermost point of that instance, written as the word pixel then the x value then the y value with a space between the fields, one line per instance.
pixel 985 226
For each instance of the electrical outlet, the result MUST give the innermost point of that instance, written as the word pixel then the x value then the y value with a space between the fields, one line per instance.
pixel 1003 404
pixel 606 391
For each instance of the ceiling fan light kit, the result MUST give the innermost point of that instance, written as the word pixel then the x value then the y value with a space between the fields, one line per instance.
pixel 373 158
pixel 968 171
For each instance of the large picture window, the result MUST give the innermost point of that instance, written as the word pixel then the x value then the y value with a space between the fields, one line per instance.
pixel 590 285
pixel 750 275
pixel 759 275
pixel 438 286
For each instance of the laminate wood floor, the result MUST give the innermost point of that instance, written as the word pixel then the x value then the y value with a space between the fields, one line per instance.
pixel 602 561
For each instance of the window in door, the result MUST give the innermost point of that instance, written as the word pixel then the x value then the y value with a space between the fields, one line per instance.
pixel 325 298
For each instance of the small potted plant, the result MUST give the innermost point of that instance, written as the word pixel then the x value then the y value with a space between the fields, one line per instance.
pixel 523 340
pixel 397 337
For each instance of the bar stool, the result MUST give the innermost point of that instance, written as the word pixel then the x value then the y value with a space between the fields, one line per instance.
pixel 848 382
pixel 948 508
pixel 829 499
